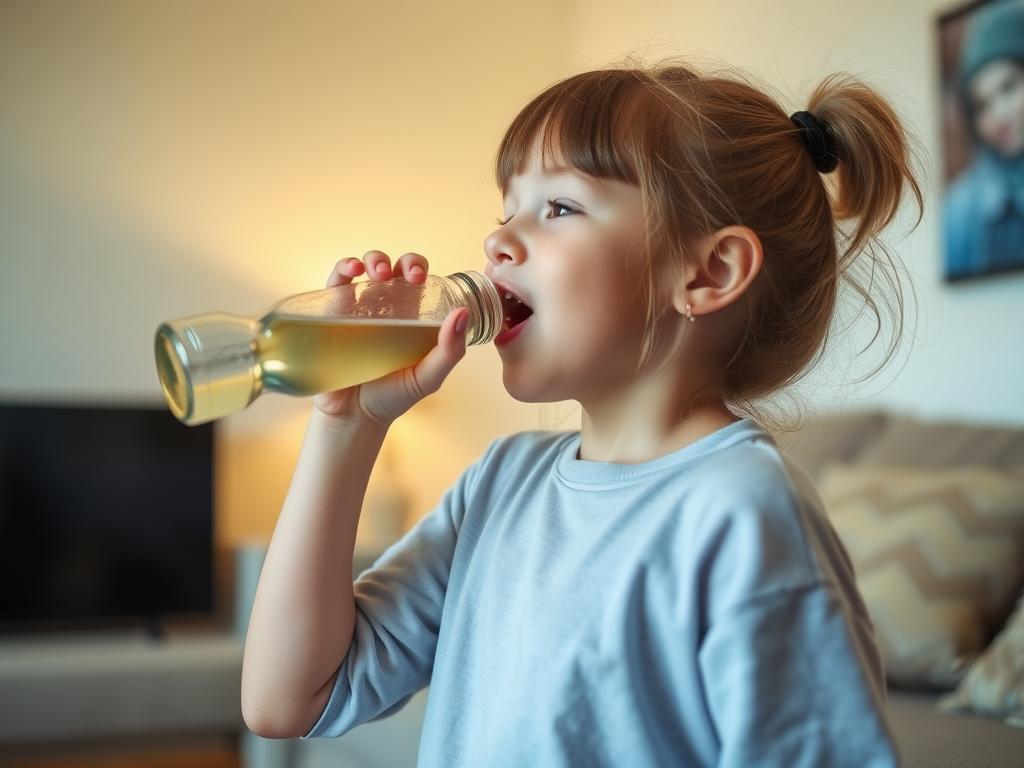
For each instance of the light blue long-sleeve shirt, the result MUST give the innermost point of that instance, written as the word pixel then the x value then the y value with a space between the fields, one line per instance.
pixel 693 610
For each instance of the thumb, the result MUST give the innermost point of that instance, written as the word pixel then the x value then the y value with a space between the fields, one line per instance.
pixel 451 347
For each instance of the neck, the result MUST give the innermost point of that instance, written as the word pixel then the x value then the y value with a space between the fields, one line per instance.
pixel 655 416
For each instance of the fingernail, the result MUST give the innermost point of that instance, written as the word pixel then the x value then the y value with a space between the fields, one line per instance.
pixel 382 267
pixel 417 271
pixel 460 324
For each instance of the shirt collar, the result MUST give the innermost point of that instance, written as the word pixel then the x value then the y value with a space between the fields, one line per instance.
pixel 1002 183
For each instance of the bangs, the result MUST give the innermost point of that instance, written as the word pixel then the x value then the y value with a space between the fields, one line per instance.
pixel 584 122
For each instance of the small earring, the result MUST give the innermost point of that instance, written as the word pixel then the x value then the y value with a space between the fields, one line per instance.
pixel 689 316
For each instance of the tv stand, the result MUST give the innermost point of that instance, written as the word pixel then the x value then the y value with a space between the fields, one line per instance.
pixel 150 683
pixel 119 683
pixel 154 629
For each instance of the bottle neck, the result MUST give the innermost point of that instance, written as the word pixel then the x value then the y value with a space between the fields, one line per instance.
pixel 475 291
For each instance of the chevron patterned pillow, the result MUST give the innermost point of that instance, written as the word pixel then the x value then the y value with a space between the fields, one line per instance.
pixel 994 685
pixel 938 555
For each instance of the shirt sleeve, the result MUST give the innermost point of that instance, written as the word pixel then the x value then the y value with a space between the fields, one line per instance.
pixel 794 679
pixel 398 600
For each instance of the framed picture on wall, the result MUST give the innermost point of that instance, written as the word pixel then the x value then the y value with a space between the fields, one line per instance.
pixel 982 59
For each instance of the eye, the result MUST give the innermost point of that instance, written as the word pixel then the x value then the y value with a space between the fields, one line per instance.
pixel 551 203
pixel 555 204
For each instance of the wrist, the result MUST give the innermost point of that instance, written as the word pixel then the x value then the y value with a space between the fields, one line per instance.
pixel 347 423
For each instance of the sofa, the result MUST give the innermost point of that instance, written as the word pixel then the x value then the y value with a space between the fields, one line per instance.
pixel 926 736
pixel 877 439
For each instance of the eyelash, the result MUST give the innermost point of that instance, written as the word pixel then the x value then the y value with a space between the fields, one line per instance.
pixel 552 203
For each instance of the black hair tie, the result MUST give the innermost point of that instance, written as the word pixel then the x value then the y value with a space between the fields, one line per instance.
pixel 817 137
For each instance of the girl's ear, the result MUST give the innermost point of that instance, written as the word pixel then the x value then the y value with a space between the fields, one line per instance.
pixel 724 265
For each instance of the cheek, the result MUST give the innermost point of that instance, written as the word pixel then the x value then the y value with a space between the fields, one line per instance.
pixel 594 328
pixel 590 290
pixel 588 301
pixel 1017 108
pixel 985 124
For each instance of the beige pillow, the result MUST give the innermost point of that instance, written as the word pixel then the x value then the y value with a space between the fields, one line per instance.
pixel 939 559
pixel 994 685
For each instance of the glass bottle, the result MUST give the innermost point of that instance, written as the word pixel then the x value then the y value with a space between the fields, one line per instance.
pixel 214 364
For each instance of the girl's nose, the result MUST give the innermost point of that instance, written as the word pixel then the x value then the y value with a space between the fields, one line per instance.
pixel 500 247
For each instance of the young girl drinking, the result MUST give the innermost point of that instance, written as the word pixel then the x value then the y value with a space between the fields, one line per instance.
pixel 660 587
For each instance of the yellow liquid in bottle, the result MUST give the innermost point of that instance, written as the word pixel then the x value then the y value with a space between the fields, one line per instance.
pixel 304 356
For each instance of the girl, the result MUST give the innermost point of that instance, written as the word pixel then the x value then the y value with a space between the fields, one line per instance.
pixel 661 587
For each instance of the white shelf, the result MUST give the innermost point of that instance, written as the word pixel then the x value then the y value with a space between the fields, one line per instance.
pixel 91 685
pixel 95 686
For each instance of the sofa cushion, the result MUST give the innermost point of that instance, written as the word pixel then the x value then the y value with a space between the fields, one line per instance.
pixel 830 437
pixel 994 685
pixel 928 739
pixel 937 555
pixel 907 440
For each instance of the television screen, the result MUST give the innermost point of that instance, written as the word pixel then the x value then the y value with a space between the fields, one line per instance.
pixel 106 516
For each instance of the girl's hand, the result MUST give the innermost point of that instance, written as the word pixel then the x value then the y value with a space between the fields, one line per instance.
pixel 383 400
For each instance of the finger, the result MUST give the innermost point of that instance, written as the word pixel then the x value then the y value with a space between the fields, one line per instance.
pixel 344 271
pixel 413 266
pixel 451 347
pixel 378 265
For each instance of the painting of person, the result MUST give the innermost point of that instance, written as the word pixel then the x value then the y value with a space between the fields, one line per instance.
pixel 983 209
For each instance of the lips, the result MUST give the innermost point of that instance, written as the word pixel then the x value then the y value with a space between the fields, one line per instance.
pixel 508 334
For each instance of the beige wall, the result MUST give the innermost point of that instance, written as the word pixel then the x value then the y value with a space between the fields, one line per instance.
pixel 159 159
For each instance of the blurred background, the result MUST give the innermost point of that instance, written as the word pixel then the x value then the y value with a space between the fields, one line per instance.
pixel 160 159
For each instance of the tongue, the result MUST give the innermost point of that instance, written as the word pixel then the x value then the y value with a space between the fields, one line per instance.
pixel 517 318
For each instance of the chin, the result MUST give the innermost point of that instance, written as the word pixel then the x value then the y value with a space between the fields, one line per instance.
pixel 524 395
pixel 531 391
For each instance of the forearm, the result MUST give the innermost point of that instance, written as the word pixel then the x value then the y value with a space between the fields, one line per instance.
pixel 303 614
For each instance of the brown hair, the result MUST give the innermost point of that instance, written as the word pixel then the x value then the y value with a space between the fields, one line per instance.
pixel 708 150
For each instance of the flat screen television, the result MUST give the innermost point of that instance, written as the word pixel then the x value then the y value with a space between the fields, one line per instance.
pixel 106 517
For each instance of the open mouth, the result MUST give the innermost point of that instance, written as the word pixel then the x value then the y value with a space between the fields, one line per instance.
pixel 515 311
